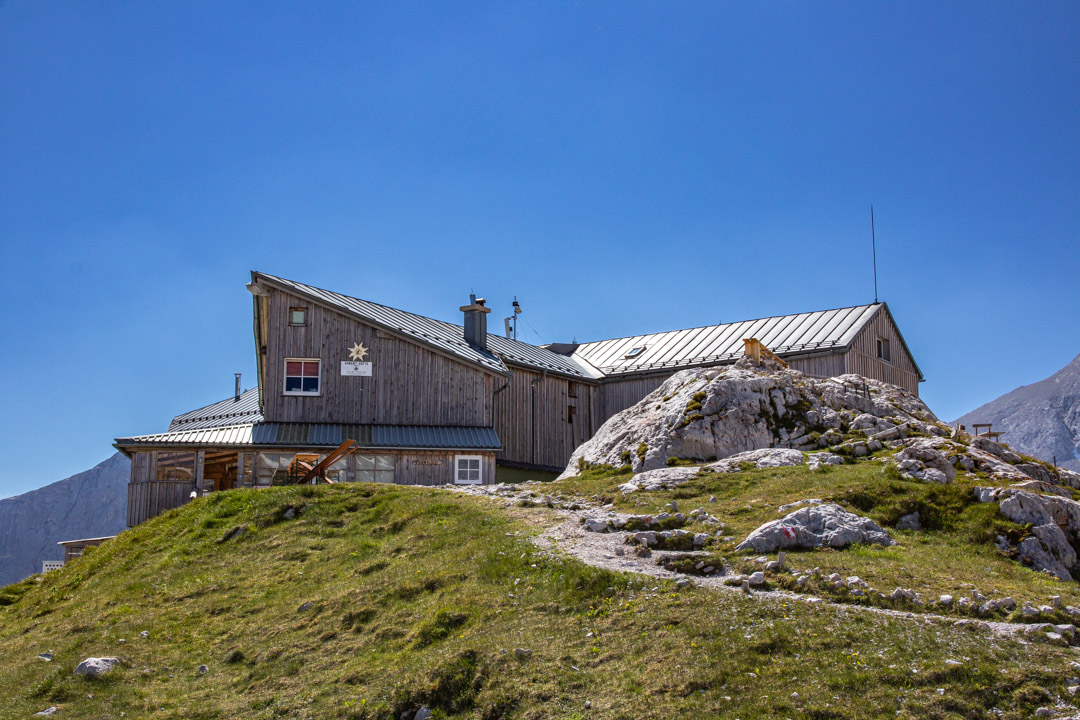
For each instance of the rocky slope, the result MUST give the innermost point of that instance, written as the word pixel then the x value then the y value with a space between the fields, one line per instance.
pixel 763 416
pixel 89 504
pixel 1041 419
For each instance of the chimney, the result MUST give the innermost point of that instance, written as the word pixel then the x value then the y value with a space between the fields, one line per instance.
pixel 476 322
pixel 236 397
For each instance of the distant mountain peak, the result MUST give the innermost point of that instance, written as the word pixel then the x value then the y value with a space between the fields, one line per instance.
pixel 1041 419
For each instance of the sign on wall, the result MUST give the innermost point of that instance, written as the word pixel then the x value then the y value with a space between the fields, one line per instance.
pixel 355 369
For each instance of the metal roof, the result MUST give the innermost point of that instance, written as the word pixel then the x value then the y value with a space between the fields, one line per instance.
pixel 326 435
pixel 445 336
pixel 230 411
pixel 784 335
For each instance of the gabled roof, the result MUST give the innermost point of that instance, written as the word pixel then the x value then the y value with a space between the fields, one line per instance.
pixel 785 335
pixel 443 336
pixel 232 411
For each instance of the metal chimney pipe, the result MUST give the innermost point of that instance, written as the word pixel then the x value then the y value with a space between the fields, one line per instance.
pixel 236 397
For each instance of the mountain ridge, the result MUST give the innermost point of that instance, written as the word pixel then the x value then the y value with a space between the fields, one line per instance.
pixel 91 503
pixel 1040 419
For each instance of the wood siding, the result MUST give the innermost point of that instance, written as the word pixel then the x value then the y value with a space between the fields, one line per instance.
pixel 437 468
pixel 862 358
pixel 410 384
pixel 820 366
pixel 150 499
pixel 534 419
pixel 621 394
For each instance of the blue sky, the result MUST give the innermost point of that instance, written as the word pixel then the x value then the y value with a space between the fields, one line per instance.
pixel 621 167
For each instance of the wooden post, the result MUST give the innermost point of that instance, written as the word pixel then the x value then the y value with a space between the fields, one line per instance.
pixel 200 456
pixel 152 471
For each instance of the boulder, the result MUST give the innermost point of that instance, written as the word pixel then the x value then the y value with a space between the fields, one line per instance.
pixel 926 459
pixel 909 522
pixel 827 525
pixel 722 411
pixel 96 666
pixel 763 458
pixel 660 479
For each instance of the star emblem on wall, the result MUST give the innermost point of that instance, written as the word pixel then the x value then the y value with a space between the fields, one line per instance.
pixel 358 352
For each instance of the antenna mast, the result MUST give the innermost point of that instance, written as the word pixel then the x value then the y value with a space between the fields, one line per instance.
pixel 873 241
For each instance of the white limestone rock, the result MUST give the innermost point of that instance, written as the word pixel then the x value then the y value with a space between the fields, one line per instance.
pixel 720 412
pixel 663 478
pixel 926 459
pixel 96 666
pixel 827 525
pixel 763 458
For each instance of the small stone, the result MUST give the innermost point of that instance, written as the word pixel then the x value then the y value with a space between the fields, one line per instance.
pixel 588 704
pixel 682 583
pixel 522 652
pixel 305 607
pixel 424 713
pixel 756 579
pixel 712 498
pixel 95 666
pixel 773 566
pixel 794 695
pixel 1044 712
pixel 46 656
pixel 619 551
pixel 945 600
pixel 941 691
pixel 1055 601
pixel 290 513
pixel 48 711
pixel 144 634
pixel 203 669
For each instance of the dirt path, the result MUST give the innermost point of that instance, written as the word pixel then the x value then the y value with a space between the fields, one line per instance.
pixel 564 533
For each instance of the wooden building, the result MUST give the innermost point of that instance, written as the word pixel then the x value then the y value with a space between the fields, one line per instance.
pixel 355 391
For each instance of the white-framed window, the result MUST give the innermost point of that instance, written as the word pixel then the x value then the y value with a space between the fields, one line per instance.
pixel 302 376
pixel 634 352
pixel 467 470
pixel 298 316
pixel 883 349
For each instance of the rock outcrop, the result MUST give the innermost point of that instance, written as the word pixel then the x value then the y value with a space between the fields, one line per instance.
pixel 743 416
pixel 714 413
pixel 825 525
pixel 90 504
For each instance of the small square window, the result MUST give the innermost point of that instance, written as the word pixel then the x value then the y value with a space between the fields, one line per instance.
pixel 298 316
pixel 467 470
pixel 883 350
pixel 301 377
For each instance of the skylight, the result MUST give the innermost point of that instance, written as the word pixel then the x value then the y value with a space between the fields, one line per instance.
pixel 634 352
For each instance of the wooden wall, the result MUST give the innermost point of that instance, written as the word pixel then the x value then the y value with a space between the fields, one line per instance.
pixel 820 366
pixel 621 394
pixel 862 357
pixel 150 499
pixel 534 419
pixel 410 384
pixel 437 468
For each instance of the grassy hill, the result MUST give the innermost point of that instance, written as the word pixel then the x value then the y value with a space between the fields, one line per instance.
pixel 368 601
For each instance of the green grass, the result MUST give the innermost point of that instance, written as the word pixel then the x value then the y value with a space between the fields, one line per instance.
pixel 953 554
pixel 420 596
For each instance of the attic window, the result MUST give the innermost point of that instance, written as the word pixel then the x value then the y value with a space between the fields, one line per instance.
pixel 883 350
pixel 298 316
pixel 634 352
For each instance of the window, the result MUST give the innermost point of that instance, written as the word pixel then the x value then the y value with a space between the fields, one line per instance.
pixel 375 468
pixel 634 352
pixel 301 376
pixel 298 316
pixel 467 470
pixel 883 349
